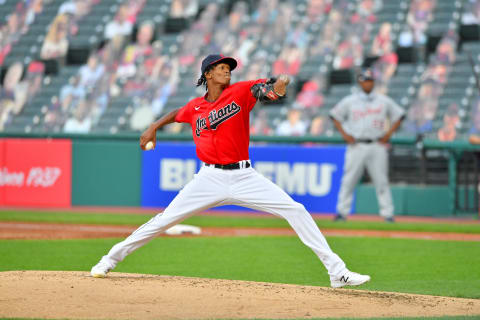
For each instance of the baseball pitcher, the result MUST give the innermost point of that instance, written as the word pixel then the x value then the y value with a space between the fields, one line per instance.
pixel 366 120
pixel 220 128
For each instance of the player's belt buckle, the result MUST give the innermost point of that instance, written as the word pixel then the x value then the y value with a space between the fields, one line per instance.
pixel 231 166
pixel 366 140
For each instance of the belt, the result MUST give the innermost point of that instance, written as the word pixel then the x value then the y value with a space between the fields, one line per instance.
pixel 231 166
pixel 366 140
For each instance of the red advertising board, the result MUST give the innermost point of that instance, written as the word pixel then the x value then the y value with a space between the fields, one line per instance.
pixel 36 172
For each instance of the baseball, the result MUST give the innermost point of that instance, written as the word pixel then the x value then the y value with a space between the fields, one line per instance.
pixel 149 145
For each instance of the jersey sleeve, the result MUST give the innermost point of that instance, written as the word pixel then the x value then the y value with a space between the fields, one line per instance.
pixel 340 111
pixel 395 112
pixel 184 114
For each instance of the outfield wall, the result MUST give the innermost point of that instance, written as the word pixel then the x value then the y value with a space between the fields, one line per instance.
pixel 100 172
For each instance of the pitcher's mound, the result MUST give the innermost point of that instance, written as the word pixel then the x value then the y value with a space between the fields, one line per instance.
pixel 75 295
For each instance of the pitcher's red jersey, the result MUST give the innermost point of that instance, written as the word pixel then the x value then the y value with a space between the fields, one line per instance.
pixel 221 129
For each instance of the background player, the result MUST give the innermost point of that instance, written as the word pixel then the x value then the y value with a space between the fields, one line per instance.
pixel 220 127
pixel 362 119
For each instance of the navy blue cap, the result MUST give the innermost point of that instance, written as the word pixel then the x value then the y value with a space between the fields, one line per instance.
pixel 365 75
pixel 217 58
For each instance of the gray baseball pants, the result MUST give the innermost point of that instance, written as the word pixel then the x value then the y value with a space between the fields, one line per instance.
pixel 373 157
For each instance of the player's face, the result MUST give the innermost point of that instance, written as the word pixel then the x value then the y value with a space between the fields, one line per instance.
pixel 220 74
pixel 367 85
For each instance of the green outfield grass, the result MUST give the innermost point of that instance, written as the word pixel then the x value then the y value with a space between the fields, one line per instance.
pixel 415 266
pixel 206 220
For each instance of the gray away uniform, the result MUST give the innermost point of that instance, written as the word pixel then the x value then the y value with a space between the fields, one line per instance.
pixel 364 117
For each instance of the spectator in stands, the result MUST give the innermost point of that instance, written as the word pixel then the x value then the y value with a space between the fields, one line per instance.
pixel 298 37
pixel 418 18
pixel 99 98
pixel 138 84
pixel 471 13
pixel 137 52
pixel 349 53
pixel 451 120
pixel 319 125
pixel 416 123
pixel 164 85
pixel 382 41
pixel 141 117
pixel 246 46
pixel 276 29
pixel 9 98
pixel 288 62
pixel 33 80
pixel 183 8
pixel 13 29
pixel 446 49
pixel 363 18
pixel 475 116
pixel 237 17
pixel 317 10
pixel 475 129
pixel 266 13
pixel 311 97
pixel 73 89
pixel 260 124
pixel 325 44
pixel 91 72
pixel 33 8
pixel 76 10
pixel 56 114
pixel 384 68
pixel 258 68
pixel 120 26
pixel 293 125
pixel 79 122
pixel 56 42
pixel 405 39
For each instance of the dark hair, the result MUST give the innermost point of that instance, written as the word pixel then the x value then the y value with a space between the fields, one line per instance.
pixel 203 80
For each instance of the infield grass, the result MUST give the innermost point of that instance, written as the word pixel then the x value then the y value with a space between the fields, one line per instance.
pixel 206 220
pixel 415 266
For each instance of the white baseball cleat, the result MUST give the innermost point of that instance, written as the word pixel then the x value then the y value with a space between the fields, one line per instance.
pixel 100 270
pixel 349 279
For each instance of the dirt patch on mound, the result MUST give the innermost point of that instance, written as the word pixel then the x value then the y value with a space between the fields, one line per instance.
pixel 75 295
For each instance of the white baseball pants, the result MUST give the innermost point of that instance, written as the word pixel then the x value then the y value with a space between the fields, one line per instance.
pixel 374 157
pixel 213 187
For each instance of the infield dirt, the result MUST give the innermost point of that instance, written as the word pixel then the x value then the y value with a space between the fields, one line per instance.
pixel 76 295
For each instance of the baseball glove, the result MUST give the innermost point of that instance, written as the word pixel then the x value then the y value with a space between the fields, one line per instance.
pixel 265 91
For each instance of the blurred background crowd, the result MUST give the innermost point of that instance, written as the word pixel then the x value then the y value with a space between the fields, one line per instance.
pixel 113 66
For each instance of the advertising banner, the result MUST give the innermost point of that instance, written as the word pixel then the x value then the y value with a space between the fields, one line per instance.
pixel 309 174
pixel 36 172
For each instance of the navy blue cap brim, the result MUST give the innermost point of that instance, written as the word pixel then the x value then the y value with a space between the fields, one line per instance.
pixel 228 60
pixel 363 78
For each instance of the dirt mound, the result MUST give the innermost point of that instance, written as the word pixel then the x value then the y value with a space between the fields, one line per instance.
pixel 75 295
